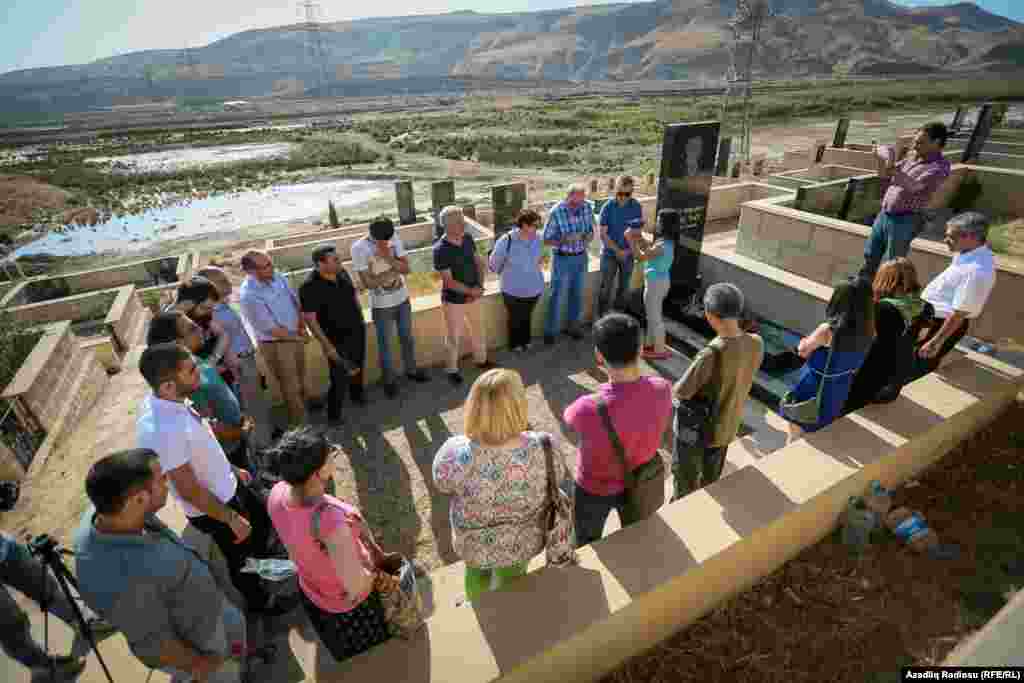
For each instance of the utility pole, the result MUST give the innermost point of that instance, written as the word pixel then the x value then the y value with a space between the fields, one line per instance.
pixel 747 25
pixel 314 40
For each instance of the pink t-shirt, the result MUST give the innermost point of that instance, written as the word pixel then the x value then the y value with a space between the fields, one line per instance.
pixel 640 412
pixel 324 578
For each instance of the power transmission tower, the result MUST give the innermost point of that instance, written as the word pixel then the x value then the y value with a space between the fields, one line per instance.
pixel 314 40
pixel 747 25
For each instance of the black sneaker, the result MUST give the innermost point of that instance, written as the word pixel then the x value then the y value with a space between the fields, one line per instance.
pixel 418 376
pixel 455 378
pixel 391 389
pixel 576 333
pixel 359 399
pixel 66 667
pixel 549 339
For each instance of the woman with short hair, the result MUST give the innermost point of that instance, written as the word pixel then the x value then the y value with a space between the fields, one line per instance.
pixel 496 474
pixel 516 259
pixel 337 569
pixel 900 316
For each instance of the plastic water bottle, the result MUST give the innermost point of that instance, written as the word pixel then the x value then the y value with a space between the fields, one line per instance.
pixel 858 522
pixel 879 501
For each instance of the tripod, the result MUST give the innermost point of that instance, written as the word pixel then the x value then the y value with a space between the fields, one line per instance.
pixel 45 548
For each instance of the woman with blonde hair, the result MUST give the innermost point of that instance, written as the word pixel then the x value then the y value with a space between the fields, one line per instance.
pixel 496 474
pixel 900 315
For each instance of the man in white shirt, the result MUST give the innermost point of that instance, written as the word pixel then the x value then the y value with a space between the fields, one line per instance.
pixel 960 291
pixel 202 480
pixel 380 261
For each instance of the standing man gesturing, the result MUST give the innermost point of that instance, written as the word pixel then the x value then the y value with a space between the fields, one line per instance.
pixel 331 308
pixel 271 306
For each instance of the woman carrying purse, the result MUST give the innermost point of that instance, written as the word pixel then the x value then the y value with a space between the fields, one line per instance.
pixel 336 558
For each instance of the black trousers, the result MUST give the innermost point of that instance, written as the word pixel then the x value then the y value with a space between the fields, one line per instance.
pixel 353 348
pixel 520 314
pixel 251 507
pixel 927 365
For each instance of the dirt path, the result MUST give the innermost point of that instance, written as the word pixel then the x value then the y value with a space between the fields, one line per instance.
pixel 826 615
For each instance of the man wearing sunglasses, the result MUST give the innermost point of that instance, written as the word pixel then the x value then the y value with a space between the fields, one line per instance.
pixel 618 216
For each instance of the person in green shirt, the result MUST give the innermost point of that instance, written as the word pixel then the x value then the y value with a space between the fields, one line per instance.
pixel 723 372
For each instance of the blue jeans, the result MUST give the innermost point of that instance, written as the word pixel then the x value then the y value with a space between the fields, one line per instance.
pixel 611 267
pixel 890 238
pixel 567 274
pixel 401 317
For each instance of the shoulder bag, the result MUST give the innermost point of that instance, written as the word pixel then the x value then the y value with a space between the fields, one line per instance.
pixel 645 485
pixel 559 541
pixel 808 411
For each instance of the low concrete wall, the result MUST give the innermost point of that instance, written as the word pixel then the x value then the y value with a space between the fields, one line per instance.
pixel 827 250
pixel 868 160
pixel 644 583
pixel 297 255
pixel 814 174
pixel 44 378
pixel 359 229
pixel 987 158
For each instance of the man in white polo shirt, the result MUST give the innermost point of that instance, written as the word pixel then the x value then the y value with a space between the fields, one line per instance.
pixel 960 291
pixel 205 484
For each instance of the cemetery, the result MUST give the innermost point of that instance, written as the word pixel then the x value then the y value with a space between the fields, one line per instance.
pixel 784 239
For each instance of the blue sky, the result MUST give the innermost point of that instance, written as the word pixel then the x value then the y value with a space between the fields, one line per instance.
pixel 53 32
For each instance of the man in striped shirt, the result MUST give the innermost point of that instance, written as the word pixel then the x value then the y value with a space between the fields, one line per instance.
pixel 908 185
pixel 568 232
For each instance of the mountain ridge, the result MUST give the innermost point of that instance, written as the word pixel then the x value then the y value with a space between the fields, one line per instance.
pixel 661 39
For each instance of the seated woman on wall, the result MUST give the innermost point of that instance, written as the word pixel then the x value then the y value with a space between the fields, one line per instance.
pixel 834 353
pixel 497 476
pixel 900 315
pixel 337 569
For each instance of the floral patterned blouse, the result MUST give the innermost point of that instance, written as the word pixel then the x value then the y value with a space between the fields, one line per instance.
pixel 499 497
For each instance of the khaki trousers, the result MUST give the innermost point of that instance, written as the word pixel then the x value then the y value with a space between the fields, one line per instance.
pixel 464 319
pixel 287 361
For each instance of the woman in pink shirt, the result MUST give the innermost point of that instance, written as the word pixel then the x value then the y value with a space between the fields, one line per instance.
pixel 337 569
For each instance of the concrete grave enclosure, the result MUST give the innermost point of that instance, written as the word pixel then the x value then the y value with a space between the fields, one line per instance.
pixel 825 250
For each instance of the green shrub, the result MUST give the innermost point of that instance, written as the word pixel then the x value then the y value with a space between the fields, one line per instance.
pixel 15 345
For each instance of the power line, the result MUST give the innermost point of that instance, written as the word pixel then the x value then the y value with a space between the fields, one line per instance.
pixel 314 39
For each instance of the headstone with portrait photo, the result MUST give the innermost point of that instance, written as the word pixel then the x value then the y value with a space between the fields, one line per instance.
pixel 687 166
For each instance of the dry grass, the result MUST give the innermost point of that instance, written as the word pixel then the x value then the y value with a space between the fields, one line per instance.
pixel 826 615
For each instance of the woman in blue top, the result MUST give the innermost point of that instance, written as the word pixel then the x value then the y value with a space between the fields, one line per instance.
pixel 834 353
pixel 657 256
pixel 516 259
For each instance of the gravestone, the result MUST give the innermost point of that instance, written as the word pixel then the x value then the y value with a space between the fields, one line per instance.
pixel 979 135
pixel 650 182
pixel 722 161
pixel 507 200
pixel 687 166
pixel 406 202
pixel 862 200
pixel 818 151
pixel 958 120
pixel 442 194
pixel 593 186
pixel 469 211
pixel 842 128
pixel 610 186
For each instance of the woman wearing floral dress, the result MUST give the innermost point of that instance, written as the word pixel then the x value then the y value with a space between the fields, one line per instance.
pixel 497 476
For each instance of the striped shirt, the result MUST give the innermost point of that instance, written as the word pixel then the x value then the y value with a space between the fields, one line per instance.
pixel 914 183
pixel 564 221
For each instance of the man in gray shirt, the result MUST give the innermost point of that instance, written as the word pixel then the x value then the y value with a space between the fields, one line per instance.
pixel 140 576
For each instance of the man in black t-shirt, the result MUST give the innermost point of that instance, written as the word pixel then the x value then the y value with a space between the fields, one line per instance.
pixel 462 271
pixel 331 309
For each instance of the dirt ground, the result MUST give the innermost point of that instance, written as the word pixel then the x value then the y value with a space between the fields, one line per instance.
pixel 22 195
pixel 827 615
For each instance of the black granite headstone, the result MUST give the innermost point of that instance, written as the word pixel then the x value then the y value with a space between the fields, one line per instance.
pixel 842 128
pixel 722 162
pixel 979 135
pixel 687 165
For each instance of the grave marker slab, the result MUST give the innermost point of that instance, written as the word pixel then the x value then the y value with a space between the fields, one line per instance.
pixel 825 199
pixel 842 128
pixel 722 162
pixel 862 200
pixel 406 202
pixel 979 135
pixel 442 194
pixel 507 200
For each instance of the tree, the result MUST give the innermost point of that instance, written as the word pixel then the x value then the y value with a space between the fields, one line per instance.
pixel 332 215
